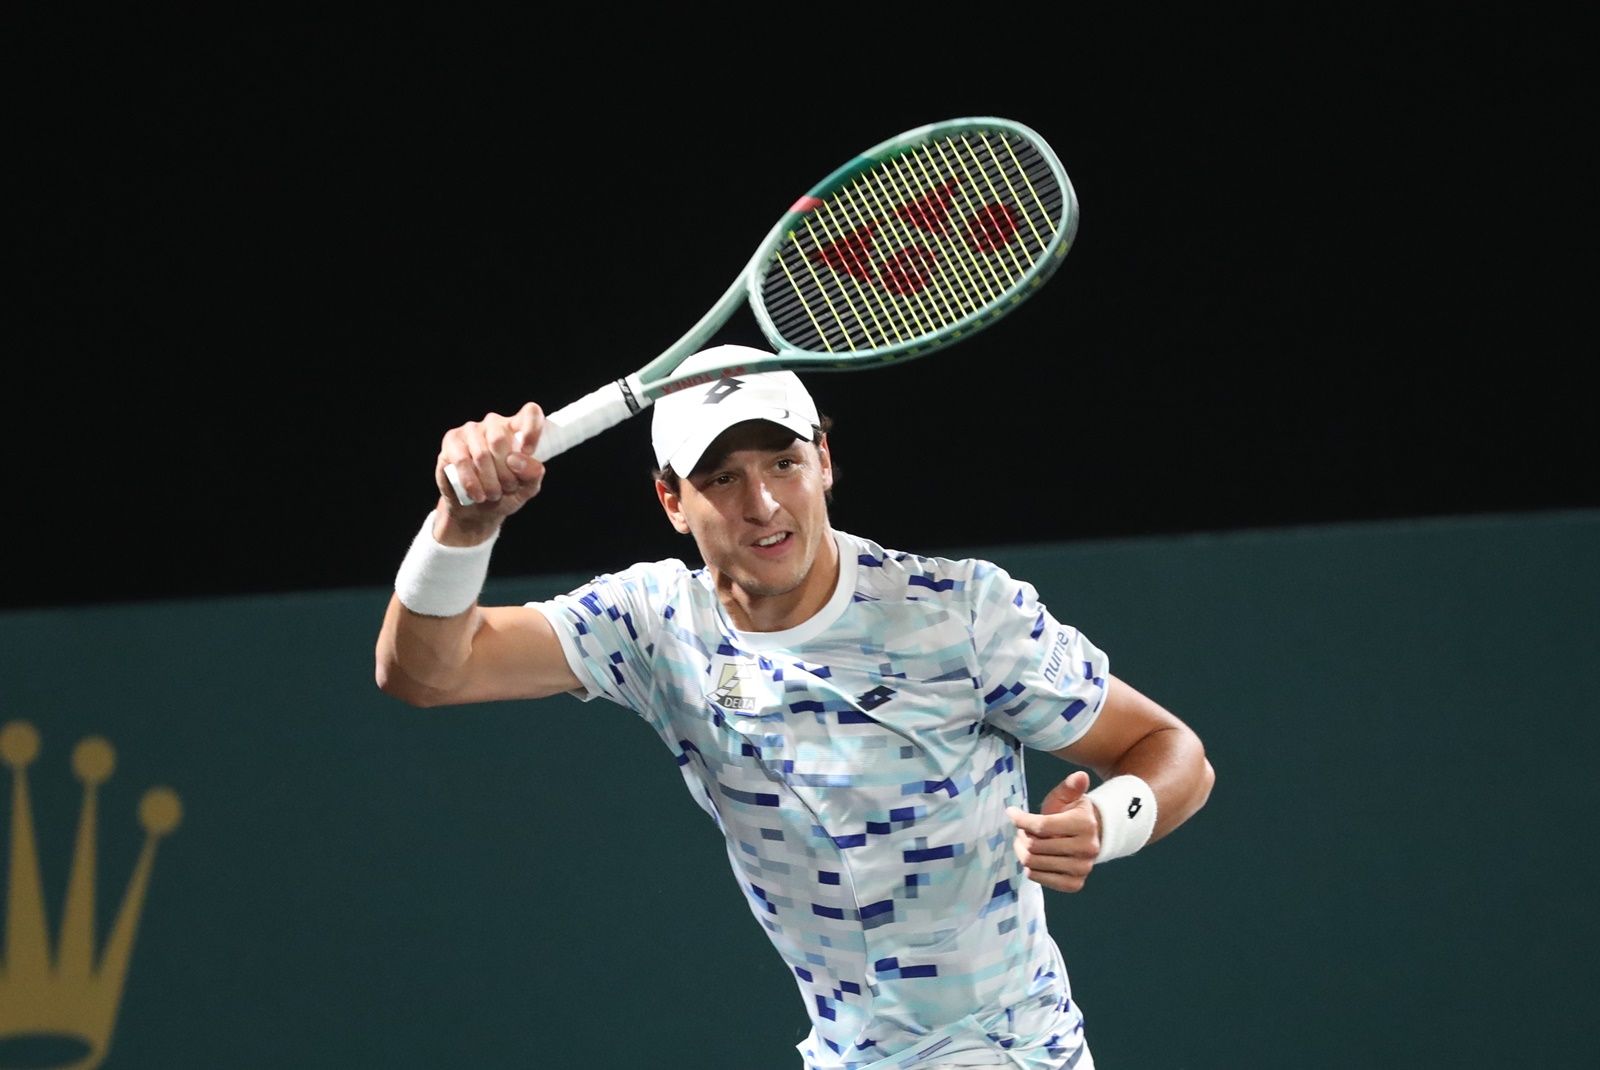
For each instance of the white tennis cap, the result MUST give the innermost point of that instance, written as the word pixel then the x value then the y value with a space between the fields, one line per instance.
pixel 687 421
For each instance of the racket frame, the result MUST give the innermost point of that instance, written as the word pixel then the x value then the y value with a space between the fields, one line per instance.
pixel 660 377
pixel 621 398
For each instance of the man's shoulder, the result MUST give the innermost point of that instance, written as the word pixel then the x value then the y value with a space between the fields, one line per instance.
pixel 653 579
pixel 916 573
pixel 666 567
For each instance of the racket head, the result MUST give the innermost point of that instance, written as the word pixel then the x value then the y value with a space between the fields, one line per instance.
pixel 916 243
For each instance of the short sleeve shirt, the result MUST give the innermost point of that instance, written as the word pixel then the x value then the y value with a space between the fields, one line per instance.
pixel 859 766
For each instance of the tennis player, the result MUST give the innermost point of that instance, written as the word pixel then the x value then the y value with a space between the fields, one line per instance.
pixel 851 717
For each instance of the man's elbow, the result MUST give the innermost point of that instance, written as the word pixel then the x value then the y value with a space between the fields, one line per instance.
pixel 1198 773
pixel 1208 779
pixel 1206 776
pixel 397 685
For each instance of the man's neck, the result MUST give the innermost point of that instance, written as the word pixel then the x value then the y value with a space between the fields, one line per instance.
pixel 778 613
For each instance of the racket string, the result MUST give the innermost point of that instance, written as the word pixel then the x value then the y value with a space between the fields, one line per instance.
pixel 882 260
pixel 872 297
pixel 848 241
pixel 895 317
pixel 869 199
pixel 859 266
pixel 960 256
pixel 982 217
pixel 1018 169
pixel 905 279
pixel 928 216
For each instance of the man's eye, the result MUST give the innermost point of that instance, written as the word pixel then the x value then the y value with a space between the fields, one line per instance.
pixel 722 480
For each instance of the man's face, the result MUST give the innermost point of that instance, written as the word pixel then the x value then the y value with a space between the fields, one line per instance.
pixel 757 508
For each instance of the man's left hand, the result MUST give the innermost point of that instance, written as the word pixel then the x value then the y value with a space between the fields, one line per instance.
pixel 1057 846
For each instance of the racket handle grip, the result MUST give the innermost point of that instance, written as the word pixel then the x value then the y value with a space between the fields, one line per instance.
pixel 575 423
pixel 588 416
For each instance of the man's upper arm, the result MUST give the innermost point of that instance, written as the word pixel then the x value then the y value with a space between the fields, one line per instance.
pixel 517 654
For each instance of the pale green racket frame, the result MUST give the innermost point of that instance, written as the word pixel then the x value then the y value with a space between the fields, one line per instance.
pixel 616 401
pixel 657 377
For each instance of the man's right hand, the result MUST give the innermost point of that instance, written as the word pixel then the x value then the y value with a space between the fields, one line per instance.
pixel 495 463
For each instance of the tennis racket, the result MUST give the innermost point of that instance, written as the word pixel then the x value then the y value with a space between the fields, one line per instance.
pixel 911 246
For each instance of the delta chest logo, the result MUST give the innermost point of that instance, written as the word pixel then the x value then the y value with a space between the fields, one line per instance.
pixel 57 1011
pixel 735 687
pixel 744 685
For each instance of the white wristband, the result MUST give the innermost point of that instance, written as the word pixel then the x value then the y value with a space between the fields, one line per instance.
pixel 442 581
pixel 1127 809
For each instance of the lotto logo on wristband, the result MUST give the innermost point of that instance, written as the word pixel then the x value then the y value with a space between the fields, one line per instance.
pixel 1135 806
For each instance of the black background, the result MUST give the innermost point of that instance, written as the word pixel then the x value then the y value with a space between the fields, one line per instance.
pixel 1328 270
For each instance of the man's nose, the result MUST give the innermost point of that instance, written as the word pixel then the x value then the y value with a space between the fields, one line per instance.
pixel 760 504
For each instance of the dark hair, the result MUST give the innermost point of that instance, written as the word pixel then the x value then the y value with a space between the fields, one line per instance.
pixel 670 478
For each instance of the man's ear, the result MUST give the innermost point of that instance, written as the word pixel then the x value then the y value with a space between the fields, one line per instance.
pixel 672 505
pixel 826 460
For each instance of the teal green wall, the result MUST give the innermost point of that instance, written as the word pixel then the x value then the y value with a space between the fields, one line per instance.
pixel 1396 867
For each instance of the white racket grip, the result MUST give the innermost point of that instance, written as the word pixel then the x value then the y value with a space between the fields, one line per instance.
pixel 588 416
pixel 575 423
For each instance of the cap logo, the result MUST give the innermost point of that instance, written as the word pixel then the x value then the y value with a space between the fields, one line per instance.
pixel 718 393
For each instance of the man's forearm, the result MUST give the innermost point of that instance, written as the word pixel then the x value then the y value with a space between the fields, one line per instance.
pixel 1173 762
pixel 422 660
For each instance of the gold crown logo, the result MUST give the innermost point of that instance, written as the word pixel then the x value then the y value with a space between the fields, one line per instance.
pixel 68 1005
